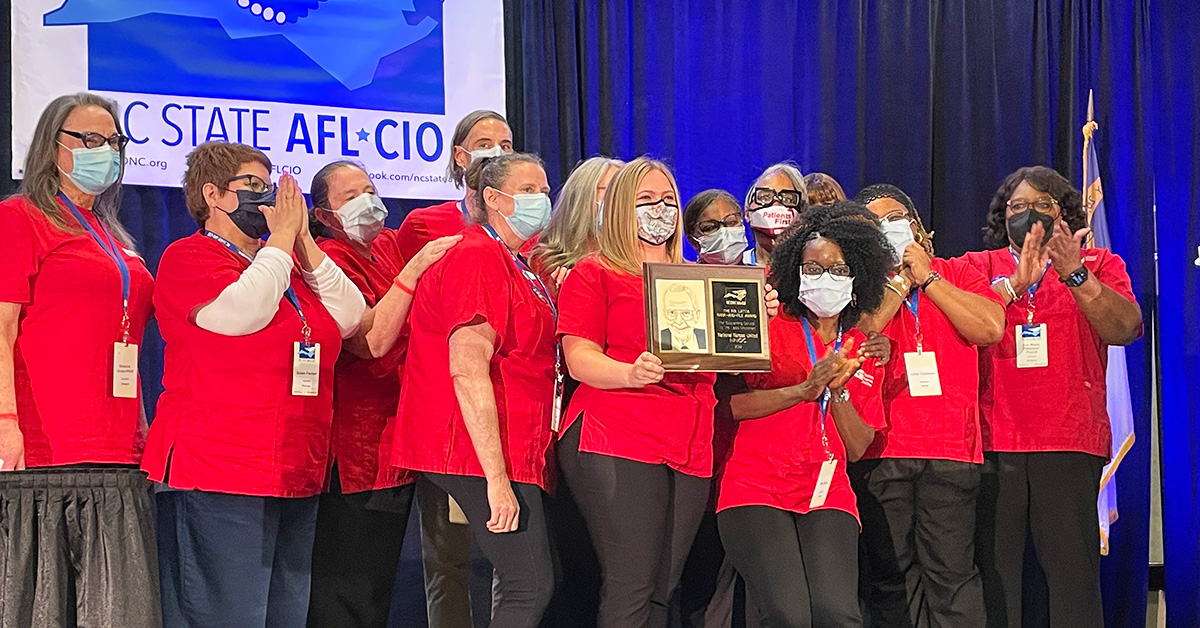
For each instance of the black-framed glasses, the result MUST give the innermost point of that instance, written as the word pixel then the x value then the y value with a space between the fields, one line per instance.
pixel 95 140
pixel 254 183
pixel 766 197
pixel 814 270
pixel 709 227
pixel 1042 206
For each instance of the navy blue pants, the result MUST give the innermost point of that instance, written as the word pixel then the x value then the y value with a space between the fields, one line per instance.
pixel 234 561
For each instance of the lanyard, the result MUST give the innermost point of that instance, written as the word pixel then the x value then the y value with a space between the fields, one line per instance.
pixel 913 303
pixel 110 248
pixel 539 287
pixel 1033 288
pixel 289 293
pixel 823 401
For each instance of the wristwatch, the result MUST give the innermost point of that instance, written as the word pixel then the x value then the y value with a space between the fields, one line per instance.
pixel 1076 279
pixel 841 397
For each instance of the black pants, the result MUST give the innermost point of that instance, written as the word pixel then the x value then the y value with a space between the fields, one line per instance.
pixel 642 519
pixel 577 596
pixel 918 541
pixel 355 554
pixel 77 549
pixel 1051 497
pixel 801 569
pixel 524 568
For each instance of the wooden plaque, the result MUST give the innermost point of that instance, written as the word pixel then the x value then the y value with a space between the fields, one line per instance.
pixel 707 317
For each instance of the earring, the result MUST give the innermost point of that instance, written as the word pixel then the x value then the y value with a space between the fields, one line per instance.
pixel 854 299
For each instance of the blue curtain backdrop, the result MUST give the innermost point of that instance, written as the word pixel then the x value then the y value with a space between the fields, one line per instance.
pixel 942 98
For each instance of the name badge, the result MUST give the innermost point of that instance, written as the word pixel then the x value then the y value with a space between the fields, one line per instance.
pixel 306 369
pixel 125 371
pixel 823 481
pixel 1031 346
pixel 556 410
pixel 923 380
pixel 456 514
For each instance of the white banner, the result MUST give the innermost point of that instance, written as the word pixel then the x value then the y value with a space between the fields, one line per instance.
pixel 382 82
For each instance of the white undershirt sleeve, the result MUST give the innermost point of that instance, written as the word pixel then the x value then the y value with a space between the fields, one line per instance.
pixel 247 305
pixel 338 294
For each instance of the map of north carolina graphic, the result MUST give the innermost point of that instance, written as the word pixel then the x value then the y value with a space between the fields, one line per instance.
pixel 370 54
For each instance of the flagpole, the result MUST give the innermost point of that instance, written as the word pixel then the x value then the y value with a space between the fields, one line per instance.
pixel 1088 129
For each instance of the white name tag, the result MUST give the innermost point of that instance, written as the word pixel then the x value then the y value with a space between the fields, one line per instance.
pixel 823 482
pixel 456 512
pixel 923 380
pixel 1031 346
pixel 125 371
pixel 306 369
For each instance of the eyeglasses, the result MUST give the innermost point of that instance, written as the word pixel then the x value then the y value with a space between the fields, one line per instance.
pixel 1042 206
pixel 252 183
pixel 685 315
pixel 814 270
pixel 95 140
pixel 709 227
pixel 765 197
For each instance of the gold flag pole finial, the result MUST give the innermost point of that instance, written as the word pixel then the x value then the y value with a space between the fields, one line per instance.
pixel 1089 204
pixel 1091 119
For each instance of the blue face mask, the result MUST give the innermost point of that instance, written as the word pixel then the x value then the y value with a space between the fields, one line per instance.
pixel 531 214
pixel 95 169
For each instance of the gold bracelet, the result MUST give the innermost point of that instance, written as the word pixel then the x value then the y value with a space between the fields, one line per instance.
pixel 893 288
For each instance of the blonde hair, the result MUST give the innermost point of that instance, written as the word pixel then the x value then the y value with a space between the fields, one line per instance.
pixel 572 233
pixel 619 234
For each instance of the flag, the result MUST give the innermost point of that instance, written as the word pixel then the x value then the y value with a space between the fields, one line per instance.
pixel 1120 409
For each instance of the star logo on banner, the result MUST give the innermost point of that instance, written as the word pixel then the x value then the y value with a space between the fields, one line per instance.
pixel 362 135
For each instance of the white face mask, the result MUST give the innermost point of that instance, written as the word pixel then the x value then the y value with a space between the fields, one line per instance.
pixel 899 234
pixel 657 221
pixel 723 246
pixel 494 151
pixel 772 220
pixel 826 296
pixel 362 217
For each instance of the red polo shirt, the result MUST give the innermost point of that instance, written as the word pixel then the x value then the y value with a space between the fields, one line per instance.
pixel 366 392
pixel 1062 406
pixel 478 280
pixel 227 421
pixel 425 224
pixel 670 422
pixel 947 426
pixel 70 293
pixel 776 459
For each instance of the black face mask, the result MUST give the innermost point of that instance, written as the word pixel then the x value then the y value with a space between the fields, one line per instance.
pixel 248 217
pixel 1019 226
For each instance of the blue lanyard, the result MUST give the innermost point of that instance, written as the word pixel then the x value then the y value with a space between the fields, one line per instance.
pixel 110 248
pixel 1033 288
pixel 289 293
pixel 539 287
pixel 913 303
pixel 823 402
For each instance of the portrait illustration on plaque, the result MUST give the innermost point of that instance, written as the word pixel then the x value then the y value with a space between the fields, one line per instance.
pixel 682 315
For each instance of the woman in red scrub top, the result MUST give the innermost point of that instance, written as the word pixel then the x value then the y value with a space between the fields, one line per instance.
pixel 479 384
pixel 364 511
pixel 1046 433
pixel 786 510
pixel 242 434
pixel 74 299
pixel 636 445
pixel 918 481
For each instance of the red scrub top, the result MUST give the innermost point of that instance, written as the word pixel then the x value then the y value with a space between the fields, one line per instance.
pixel 944 427
pixel 69 290
pixel 227 421
pixel 426 224
pixel 775 460
pixel 366 392
pixel 670 422
pixel 478 280
pixel 1063 406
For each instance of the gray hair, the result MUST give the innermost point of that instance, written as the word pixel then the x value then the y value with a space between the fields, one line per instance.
pixel 789 170
pixel 461 131
pixel 572 233
pixel 493 172
pixel 41 183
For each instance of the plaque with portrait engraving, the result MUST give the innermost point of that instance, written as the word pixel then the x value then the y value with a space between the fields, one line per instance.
pixel 707 317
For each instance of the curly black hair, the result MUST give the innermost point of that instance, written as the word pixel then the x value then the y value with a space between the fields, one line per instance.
pixel 867 253
pixel 1042 179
